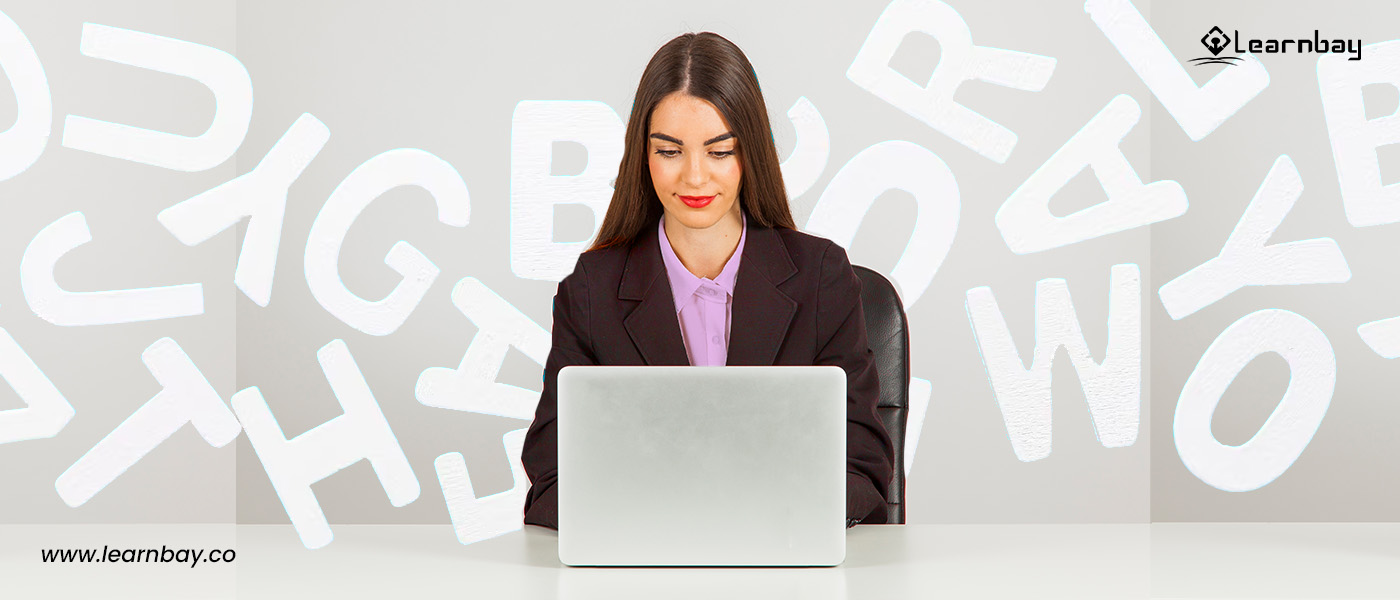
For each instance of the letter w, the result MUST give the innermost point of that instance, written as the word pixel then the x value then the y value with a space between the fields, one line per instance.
pixel 1113 389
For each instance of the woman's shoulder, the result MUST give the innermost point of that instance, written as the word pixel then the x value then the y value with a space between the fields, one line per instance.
pixel 822 266
pixel 604 255
pixel 810 251
pixel 599 263
pixel 794 238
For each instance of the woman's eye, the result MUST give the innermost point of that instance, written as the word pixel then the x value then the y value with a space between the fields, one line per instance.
pixel 668 153
pixel 722 153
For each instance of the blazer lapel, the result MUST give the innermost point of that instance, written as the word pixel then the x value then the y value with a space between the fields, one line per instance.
pixel 761 312
pixel 652 325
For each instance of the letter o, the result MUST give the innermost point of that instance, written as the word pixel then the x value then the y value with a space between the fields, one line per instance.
pixel 1312 367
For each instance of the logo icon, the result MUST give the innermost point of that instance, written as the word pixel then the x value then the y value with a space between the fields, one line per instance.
pixel 1215 40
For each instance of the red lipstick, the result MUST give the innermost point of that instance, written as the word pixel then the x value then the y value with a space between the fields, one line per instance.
pixel 697 201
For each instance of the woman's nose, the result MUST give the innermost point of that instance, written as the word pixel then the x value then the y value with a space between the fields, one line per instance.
pixel 694 173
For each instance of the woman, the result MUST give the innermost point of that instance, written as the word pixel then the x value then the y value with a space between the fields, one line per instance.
pixel 697 263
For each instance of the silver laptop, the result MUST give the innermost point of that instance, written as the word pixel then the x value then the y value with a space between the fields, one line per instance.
pixel 702 466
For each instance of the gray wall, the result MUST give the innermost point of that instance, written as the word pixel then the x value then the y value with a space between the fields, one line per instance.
pixel 445 77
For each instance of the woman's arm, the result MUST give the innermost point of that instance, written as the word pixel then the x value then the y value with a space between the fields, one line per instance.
pixel 540 454
pixel 841 341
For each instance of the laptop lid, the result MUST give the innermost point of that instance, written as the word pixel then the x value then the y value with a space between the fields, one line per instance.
pixel 702 465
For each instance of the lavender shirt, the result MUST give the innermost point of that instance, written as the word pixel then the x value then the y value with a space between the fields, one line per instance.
pixel 703 306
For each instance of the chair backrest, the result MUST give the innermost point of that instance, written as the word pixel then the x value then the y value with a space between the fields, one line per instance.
pixel 887 329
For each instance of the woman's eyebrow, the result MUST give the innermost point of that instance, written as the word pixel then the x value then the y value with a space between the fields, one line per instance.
pixel 719 138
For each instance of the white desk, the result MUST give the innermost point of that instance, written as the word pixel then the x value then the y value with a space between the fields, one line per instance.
pixel 1206 560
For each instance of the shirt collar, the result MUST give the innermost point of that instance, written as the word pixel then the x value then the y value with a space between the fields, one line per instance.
pixel 683 282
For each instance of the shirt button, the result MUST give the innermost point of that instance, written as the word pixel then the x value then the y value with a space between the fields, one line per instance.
pixel 715 340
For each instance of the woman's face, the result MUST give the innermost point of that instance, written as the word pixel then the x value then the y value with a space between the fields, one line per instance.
pixel 694 162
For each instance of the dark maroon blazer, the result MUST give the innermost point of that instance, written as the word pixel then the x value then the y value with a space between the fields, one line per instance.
pixel 796 302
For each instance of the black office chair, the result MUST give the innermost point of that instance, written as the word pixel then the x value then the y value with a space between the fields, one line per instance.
pixel 887 329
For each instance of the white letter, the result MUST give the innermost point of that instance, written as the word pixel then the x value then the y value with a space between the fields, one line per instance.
pixel 959 61
pixel 361 433
pixel 888 165
pixel 61 307
pixel 1198 110
pixel 1025 220
pixel 1246 260
pixel 475 519
pixel 1382 336
pixel 472 386
pixel 23 143
pixel 402 166
pixel 811 148
pixel 1356 138
pixel 47 412
pixel 260 194
pixel 185 397
pixel 217 70
pixel 1113 389
pixel 1312 368
pixel 534 193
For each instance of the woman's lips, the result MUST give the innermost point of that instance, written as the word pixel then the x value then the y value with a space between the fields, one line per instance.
pixel 697 201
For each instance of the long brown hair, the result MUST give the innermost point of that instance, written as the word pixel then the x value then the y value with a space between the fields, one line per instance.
pixel 709 67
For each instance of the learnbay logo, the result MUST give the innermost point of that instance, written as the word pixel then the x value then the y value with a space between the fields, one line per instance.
pixel 1217 41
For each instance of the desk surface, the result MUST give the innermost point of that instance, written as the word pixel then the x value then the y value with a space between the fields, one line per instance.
pixel 1163 560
